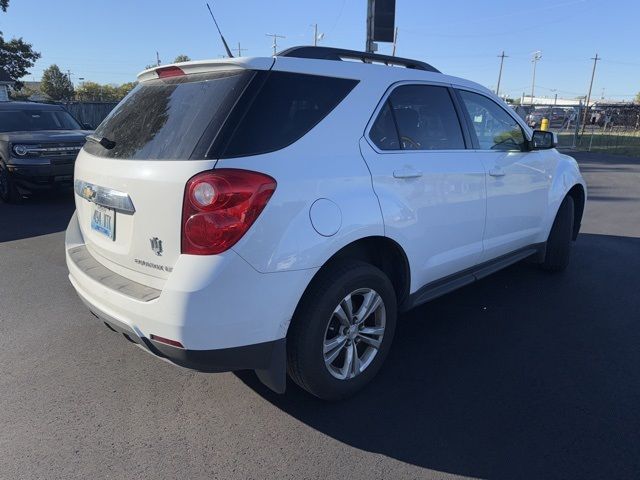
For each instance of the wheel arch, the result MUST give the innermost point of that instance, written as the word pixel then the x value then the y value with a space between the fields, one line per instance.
pixel 379 251
pixel 578 195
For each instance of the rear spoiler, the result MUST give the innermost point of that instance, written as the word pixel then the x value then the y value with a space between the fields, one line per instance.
pixel 204 66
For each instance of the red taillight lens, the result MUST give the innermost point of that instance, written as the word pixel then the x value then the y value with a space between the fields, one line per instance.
pixel 164 72
pixel 220 206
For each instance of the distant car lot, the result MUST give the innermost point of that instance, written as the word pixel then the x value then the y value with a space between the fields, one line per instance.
pixel 531 376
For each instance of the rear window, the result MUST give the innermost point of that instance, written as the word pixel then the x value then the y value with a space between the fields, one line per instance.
pixel 31 120
pixel 216 115
pixel 281 108
pixel 164 119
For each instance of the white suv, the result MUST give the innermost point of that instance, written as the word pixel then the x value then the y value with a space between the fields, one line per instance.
pixel 276 214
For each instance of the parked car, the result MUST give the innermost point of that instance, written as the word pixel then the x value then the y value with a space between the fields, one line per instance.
pixel 38 147
pixel 276 214
pixel 557 117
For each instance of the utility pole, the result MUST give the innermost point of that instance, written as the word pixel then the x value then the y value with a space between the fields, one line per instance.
pixel 315 34
pixel 275 41
pixel 536 56
pixel 370 46
pixel 240 50
pixel 395 42
pixel 586 107
pixel 69 75
pixel 502 56
pixel 157 58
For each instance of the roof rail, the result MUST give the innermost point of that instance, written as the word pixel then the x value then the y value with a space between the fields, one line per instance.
pixel 330 53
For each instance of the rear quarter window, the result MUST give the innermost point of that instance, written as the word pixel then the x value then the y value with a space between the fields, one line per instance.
pixel 281 109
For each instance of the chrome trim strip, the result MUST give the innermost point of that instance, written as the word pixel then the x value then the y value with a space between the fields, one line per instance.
pixel 103 196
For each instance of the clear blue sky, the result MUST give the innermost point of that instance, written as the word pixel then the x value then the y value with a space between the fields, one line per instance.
pixel 111 41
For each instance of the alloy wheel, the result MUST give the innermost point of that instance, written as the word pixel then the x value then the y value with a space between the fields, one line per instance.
pixel 354 333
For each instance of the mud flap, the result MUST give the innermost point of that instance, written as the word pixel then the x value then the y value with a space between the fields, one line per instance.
pixel 275 376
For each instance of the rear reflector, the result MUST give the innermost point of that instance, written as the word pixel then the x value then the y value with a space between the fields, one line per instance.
pixel 164 72
pixel 166 341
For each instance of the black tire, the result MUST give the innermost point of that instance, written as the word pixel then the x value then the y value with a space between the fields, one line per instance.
pixel 559 243
pixel 8 191
pixel 309 328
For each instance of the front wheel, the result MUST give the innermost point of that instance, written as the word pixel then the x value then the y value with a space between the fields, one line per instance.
pixel 342 330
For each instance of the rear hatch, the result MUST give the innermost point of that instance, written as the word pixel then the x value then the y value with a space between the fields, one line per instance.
pixel 130 176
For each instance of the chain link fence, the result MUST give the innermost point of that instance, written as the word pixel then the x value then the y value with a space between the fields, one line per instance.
pixel 611 128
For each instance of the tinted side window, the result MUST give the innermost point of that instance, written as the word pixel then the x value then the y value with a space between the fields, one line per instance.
pixel 495 128
pixel 285 108
pixel 426 118
pixel 383 132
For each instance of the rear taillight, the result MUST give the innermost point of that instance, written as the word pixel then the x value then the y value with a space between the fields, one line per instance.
pixel 220 206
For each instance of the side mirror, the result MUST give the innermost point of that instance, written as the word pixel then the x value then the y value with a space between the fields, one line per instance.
pixel 543 140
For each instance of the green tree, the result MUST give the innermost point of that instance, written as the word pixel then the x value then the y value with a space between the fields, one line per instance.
pixel 22 93
pixel 125 88
pixel 4 4
pixel 56 84
pixel 94 92
pixel 638 98
pixel 17 57
pixel 182 58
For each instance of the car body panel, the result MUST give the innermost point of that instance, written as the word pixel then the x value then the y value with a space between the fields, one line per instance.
pixel 452 218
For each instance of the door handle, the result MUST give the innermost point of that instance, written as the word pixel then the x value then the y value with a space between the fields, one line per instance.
pixel 406 173
pixel 497 172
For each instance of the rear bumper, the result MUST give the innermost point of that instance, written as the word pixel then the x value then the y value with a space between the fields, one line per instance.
pixel 227 315
pixel 257 356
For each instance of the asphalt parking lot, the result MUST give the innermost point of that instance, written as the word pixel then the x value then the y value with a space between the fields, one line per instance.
pixel 522 375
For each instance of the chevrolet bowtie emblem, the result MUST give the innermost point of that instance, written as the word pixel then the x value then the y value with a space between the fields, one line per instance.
pixel 88 192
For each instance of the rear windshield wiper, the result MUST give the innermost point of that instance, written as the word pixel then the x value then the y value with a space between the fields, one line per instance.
pixel 104 141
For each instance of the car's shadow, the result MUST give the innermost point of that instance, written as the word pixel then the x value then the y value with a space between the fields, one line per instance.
pixel 522 375
pixel 39 214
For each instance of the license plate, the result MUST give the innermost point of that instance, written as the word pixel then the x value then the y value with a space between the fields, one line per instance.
pixel 103 221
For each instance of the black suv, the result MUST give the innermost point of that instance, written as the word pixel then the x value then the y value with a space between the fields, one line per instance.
pixel 38 147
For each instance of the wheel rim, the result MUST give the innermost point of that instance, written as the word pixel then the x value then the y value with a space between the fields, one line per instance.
pixel 354 333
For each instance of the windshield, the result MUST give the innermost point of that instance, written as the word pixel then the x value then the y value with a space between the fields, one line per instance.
pixel 165 119
pixel 31 120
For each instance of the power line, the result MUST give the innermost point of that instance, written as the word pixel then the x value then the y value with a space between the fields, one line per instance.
pixel 502 57
pixel 275 37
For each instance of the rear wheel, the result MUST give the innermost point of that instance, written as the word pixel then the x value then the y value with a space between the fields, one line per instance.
pixel 342 330
pixel 8 191
pixel 559 243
